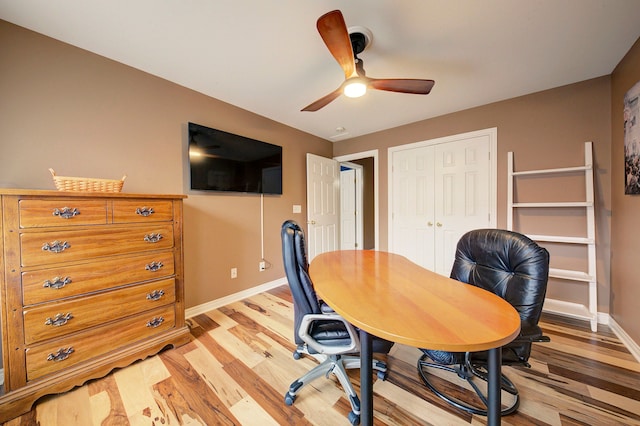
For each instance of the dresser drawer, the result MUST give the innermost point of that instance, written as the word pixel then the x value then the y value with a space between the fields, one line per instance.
pixel 62 212
pixel 45 248
pixel 54 356
pixel 58 319
pixel 44 285
pixel 128 211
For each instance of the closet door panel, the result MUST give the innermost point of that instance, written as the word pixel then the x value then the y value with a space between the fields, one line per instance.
pixel 462 194
pixel 413 212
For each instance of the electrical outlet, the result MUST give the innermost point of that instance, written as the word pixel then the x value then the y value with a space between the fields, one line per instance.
pixel 234 272
pixel 262 266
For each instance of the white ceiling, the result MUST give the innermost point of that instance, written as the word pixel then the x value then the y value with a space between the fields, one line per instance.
pixel 267 56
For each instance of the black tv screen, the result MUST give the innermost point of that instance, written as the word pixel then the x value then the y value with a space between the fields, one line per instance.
pixel 222 161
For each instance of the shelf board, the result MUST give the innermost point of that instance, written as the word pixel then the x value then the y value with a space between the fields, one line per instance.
pixel 561 239
pixel 573 310
pixel 567 274
pixel 551 171
pixel 559 204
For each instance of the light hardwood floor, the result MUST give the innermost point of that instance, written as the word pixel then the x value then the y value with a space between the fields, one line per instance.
pixel 238 367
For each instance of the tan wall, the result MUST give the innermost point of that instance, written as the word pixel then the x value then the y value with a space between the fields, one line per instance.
pixel 625 241
pixel 85 115
pixel 544 130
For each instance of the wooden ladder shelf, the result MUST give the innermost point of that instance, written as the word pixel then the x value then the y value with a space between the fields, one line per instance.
pixel 589 312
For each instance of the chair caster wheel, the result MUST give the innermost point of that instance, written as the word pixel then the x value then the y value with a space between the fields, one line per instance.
pixel 288 398
pixel 296 355
pixel 382 375
pixel 354 418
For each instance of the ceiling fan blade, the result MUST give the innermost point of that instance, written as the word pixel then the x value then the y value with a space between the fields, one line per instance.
pixel 402 85
pixel 314 106
pixel 333 31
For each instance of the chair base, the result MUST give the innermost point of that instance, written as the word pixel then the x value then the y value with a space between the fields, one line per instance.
pixel 338 366
pixel 469 372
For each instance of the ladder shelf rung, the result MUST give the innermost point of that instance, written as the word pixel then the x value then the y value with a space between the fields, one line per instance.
pixel 574 310
pixel 561 239
pixel 551 171
pixel 556 204
pixel 567 274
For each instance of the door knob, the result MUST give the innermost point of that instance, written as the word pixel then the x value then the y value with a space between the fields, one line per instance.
pixel 429 223
pixel 438 224
pixel 312 222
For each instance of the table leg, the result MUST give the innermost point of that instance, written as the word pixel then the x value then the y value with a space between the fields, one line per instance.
pixel 366 382
pixel 495 404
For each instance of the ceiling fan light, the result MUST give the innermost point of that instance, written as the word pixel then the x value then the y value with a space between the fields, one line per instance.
pixel 355 89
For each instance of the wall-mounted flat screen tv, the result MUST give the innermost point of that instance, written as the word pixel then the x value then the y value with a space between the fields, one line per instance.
pixel 222 161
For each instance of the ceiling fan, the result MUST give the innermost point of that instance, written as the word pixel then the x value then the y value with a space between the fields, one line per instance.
pixel 345 48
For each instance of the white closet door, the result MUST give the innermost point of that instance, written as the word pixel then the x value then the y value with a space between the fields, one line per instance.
pixel 413 208
pixel 439 191
pixel 461 195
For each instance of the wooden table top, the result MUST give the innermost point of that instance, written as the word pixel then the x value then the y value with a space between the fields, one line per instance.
pixel 391 297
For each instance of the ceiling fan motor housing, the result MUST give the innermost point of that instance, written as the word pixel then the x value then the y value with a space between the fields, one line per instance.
pixel 361 38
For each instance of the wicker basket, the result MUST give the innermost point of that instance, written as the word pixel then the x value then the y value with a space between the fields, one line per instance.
pixel 65 183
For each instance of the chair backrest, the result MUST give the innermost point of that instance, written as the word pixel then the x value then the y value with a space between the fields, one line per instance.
pixel 296 268
pixel 510 265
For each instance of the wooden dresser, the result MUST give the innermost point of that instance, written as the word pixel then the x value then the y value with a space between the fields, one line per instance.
pixel 89 282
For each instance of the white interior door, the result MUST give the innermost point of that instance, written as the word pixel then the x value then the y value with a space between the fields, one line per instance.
pixel 413 205
pixel 351 205
pixel 372 228
pixel 462 196
pixel 440 190
pixel 323 205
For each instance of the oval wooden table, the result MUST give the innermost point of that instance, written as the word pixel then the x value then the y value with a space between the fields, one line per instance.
pixel 387 295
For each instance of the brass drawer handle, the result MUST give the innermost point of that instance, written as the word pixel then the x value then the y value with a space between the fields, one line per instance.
pixel 61 355
pixel 59 319
pixel 155 295
pixel 155 322
pixel 56 283
pixel 56 246
pixel 66 212
pixel 154 266
pixel 145 211
pixel 153 237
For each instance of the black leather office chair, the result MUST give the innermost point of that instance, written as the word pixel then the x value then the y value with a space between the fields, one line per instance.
pixel 318 330
pixel 517 269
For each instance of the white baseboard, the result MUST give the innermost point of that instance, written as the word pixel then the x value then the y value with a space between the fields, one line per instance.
pixel 215 304
pixel 633 347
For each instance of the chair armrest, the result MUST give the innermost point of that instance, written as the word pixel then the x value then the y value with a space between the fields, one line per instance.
pixel 308 320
